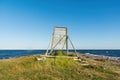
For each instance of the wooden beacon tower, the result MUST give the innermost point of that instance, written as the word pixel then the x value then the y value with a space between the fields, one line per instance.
pixel 59 41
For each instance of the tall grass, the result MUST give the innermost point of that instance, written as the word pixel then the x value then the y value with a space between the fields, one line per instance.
pixel 27 68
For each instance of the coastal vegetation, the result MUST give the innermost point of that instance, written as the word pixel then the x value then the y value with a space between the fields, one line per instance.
pixel 59 68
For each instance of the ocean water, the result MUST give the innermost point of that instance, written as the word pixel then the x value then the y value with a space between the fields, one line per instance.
pixel 6 54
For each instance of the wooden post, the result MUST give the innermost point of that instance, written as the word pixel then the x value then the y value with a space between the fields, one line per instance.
pixel 67 40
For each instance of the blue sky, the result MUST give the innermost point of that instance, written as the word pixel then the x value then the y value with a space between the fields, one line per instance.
pixel 28 24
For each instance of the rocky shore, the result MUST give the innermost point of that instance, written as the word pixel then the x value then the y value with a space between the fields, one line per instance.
pixel 102 58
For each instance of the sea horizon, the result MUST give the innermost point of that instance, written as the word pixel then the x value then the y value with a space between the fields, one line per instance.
pixel 6 54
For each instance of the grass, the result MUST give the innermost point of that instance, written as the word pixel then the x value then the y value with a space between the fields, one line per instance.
pixel 28 68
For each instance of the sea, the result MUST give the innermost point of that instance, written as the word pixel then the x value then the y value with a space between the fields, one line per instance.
pixel 7 54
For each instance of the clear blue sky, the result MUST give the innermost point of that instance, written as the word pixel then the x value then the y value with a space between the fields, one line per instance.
pixel 28 24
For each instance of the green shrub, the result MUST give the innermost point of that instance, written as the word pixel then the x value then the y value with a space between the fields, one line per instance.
pixel 59 53
pixel 72 54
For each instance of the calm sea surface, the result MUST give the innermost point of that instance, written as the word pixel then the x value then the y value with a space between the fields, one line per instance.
pixel 6 54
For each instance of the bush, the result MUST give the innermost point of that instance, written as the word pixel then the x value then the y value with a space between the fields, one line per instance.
pixel 72 54
pixel 59 53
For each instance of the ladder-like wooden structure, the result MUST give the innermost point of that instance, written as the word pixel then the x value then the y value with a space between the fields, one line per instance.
pixel 59 41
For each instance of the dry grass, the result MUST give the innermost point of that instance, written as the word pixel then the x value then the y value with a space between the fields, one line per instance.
pixel 28 68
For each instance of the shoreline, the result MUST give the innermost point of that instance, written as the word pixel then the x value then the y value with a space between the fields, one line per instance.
pixel 86 55
pixel 102 57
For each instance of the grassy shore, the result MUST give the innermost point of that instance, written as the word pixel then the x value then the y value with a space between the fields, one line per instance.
pixel 28 68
